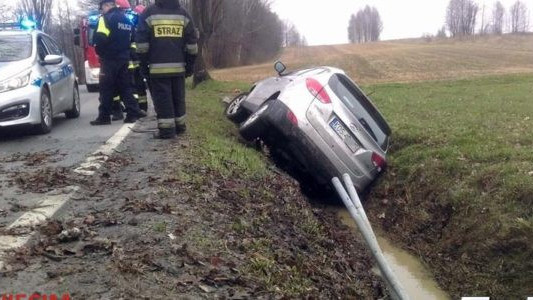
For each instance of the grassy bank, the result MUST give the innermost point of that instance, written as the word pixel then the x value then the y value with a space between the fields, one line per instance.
pixel 459 190
pixel 282 245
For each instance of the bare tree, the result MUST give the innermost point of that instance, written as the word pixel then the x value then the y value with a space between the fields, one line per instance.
pixel 461 17
pixel 365 26
pixel 519 17
pixel 6 13
pixel 208 15
pixel 498 16
pixel 441 34
pixel 292 37
pixel 38 10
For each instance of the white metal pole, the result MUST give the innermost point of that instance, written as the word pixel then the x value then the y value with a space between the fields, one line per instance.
pixel 366 230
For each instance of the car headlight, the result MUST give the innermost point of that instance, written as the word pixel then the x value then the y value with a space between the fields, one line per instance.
pixel 16 82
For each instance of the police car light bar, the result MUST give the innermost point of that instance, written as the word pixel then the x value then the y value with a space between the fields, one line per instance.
pixel 9 26
pixel 24 24
pixel 28 24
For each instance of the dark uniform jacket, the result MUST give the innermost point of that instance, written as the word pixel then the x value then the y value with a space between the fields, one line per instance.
pixel 113 36
pixel 166 39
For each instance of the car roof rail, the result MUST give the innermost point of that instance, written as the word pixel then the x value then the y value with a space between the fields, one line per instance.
pixel 10 26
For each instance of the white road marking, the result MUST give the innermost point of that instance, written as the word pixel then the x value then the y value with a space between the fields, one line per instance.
pixel 52 203
pixel 95 161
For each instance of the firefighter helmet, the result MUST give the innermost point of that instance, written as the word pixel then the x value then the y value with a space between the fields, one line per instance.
pixel 139 9
pixel 123 4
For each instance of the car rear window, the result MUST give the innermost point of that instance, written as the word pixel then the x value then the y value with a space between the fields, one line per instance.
pixel 361 108
pixel 15 47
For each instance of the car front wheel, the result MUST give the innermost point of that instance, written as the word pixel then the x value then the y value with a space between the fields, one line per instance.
pixel 254 127
pixel 76 105
pixel 235 112
pixel 46 114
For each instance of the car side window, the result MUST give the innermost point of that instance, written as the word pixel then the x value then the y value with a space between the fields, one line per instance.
pixel 41 49
pixel 53 46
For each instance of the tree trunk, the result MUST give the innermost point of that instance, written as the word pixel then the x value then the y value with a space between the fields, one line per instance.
pixel 200 69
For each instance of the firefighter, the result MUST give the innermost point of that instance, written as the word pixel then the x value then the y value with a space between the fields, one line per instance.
pixel 113 41
pixel 138 79
pixel 167 46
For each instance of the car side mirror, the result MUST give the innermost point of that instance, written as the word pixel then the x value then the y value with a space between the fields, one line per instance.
pixel 53 59
pixel 77 40
pixel 279 67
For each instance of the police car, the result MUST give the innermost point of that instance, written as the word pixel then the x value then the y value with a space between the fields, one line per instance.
pixel 37 80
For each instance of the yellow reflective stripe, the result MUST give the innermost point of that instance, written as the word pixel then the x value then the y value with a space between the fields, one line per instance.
pixel 133 46
pixel 167 22
pixel 166 123
pixel 167 70
pixel 102 28
pixel 143 47
pixel 180 120
pixel 167 19
pixel 192 49
pixel 135 96
pixel 143 99
pixel 116 98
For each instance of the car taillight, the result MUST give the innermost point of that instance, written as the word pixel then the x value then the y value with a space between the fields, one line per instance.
pixel 378 161
pixel 317 90
pixel 292 118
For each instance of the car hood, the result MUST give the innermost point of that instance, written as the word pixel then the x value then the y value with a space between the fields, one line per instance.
pixel 12 68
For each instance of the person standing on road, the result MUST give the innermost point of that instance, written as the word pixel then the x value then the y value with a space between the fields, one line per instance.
pixel 167 48
pixel 113 41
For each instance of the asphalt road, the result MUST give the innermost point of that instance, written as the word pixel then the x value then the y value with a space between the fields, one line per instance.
pixel 23 154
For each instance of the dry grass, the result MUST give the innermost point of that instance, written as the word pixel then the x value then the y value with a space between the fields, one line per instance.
pixel 405 60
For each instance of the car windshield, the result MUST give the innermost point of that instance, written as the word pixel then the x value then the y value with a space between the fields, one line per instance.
pixel 361 108
pixel 15 47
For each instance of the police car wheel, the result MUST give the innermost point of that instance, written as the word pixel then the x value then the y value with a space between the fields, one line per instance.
pixel 76 105
pixel 46 114
pixel 235 112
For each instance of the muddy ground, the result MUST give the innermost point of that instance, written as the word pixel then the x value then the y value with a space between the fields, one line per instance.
pixel 152 224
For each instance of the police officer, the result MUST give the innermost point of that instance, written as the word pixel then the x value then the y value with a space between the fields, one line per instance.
pixel 167 46
pixel 113 40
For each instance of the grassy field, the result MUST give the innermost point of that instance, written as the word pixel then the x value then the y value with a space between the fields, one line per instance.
pixel 459 190
pixel 406 60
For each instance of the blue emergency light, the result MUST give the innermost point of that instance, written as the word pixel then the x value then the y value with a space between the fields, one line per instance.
pixel 27 24
pixel 132 16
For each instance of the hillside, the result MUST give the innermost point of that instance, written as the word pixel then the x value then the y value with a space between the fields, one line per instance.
pixel 406 60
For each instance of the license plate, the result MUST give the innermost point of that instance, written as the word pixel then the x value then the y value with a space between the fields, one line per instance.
pixel 344 134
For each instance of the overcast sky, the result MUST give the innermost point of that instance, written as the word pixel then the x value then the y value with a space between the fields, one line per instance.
pixel 326 22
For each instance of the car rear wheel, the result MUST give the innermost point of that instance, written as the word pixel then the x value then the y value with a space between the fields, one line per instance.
pixel 46 114
pixel 254 127
pixel 76 105
pixel 235 112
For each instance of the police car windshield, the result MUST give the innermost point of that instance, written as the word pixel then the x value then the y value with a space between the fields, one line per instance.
pixel 15 47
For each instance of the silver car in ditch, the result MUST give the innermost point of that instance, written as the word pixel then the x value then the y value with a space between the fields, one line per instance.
pixel 37 81
pixel 320 119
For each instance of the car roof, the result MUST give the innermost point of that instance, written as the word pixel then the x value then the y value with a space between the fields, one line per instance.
pixel 19 32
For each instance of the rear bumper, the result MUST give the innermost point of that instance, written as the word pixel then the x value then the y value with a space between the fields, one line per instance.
pixel 92 75
pixel 298 144
pixel 20 106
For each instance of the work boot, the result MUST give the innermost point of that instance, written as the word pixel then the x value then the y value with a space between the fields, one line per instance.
pixel 117 116
pixel 141 114
pixel 165 133
pixel 131 119
pixel 180 129
pixel 101 121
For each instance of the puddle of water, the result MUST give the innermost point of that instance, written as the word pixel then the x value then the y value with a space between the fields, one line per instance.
pixel 416 280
